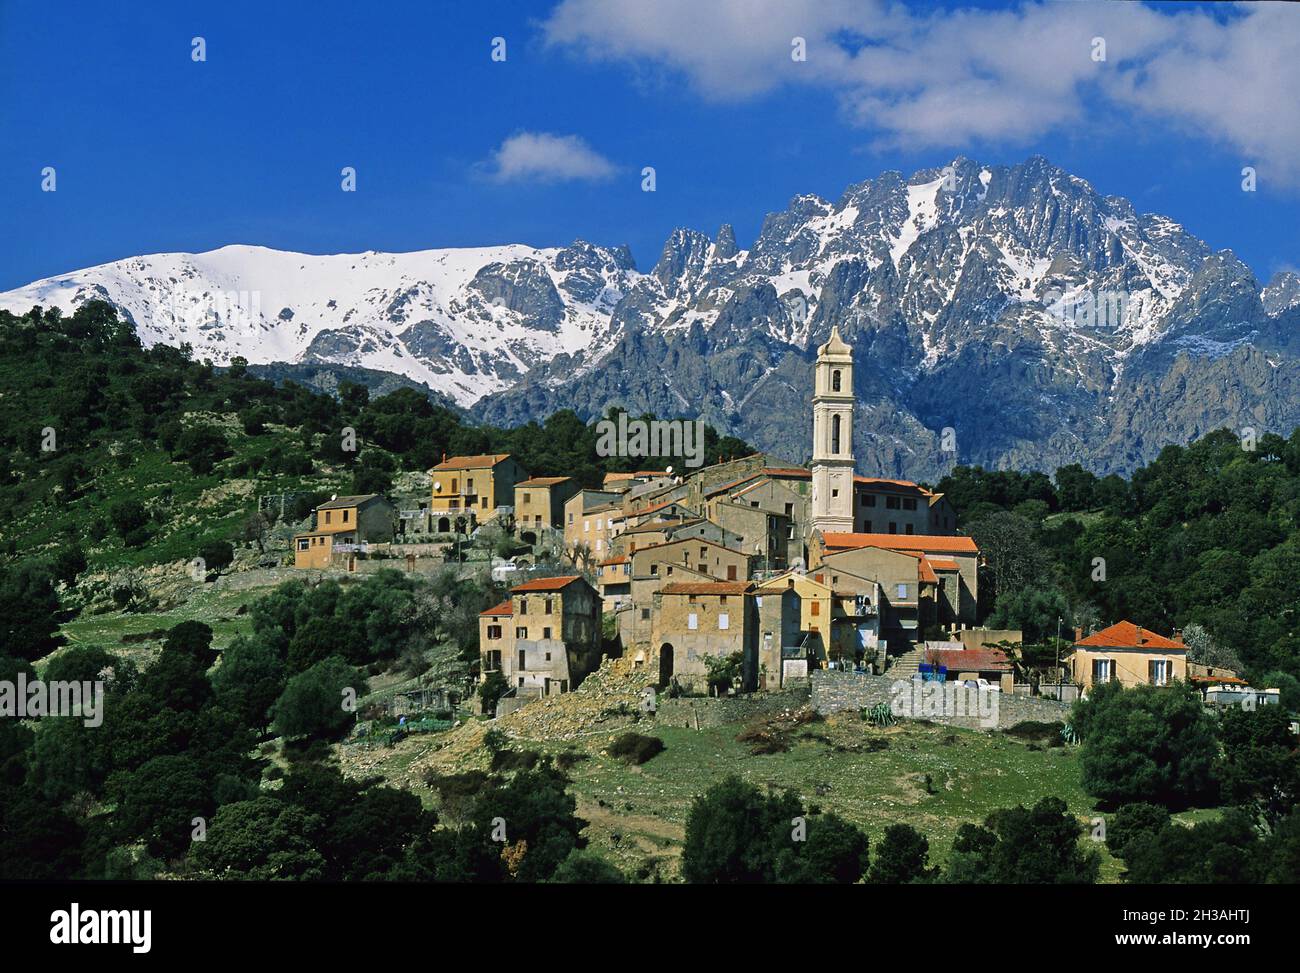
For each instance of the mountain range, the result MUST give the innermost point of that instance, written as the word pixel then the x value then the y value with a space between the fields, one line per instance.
pixel 1037 321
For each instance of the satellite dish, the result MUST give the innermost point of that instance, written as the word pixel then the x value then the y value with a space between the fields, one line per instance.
pixel 334 496
pixel 437 485
pixel 669 471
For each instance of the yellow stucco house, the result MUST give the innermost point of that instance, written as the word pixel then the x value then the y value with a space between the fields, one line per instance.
pixel 1130 655
pixel 341 523
pixel 472 486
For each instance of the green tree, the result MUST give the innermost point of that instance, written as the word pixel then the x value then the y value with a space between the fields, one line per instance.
pixel 313 702
pixel 902 857
pixel 1149 743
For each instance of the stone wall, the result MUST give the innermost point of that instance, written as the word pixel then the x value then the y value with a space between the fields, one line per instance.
pixel 833 691
pixel 710 711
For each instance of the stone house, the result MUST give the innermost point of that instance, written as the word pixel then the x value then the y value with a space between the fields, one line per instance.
pixel 827 623
pixel 477 487
pixel 341 525
pixel 697 620
pixel 545 638
pixel 688 559
pixel 539 503
pixel 899 507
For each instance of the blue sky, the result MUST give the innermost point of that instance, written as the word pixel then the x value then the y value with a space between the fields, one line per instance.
pixel 155 152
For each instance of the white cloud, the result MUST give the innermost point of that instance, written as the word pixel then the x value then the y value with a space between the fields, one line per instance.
pixel 952 78
pixel 543 157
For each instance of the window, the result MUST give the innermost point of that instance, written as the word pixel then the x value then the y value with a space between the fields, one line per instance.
pixel 724 621
pixel 523 606
pixel 304 544
pixel 731 572
pixel 586 526
pixel 570 516
pixel 327 516
pixel 1103 670
pixel 600 523
pixel 692 621
pixel 789 510
pixel 909 503
pixel 907 528
pixel 550 606
pixel 494 631
pixel 868 500
pixel 645 614
pixel 891 503
pixel 835 435
pixel 492 660
pixel 816 608
pixel 521 633
pixel 893 527
pixel 902 591
pixel 835 380
pixel 522 664
pixel 654 569
pixel 345 515
pixel 1158 672
pixel 546 634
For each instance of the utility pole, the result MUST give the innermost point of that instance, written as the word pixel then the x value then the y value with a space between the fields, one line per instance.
pixel 1058 658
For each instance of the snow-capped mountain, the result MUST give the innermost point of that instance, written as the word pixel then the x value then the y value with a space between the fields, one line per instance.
pixel 464 322
pixel 1043 322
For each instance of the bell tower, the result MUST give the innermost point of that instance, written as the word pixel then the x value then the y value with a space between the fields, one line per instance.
pixel 832 455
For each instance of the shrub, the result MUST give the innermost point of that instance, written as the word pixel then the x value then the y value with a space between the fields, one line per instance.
pixel 635 749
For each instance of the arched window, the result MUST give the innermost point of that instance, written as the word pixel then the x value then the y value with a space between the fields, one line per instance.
pixel 835 380
pixel 835 433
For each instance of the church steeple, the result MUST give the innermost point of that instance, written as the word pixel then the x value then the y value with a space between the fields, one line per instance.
pixel 832 455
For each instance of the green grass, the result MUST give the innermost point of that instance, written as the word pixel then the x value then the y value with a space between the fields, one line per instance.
pixel 972 774
pixel 217 608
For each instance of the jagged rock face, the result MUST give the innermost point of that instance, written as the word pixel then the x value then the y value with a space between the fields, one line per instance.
pixel 1042 322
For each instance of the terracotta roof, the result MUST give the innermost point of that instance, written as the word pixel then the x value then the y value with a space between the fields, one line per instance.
pixel 543 481
pixel 907 486
pixel 925 572
pixel 502 609
pixel 1126 635
pixel 943 564
pixel 793 471
pixel 969 660
pixel 547 584
pixel 354 501
pixel 706 588
pixel 951 544
pixel 621 559
pixel 485 462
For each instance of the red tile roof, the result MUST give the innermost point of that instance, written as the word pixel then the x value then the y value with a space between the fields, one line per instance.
pixel 502 609
pixel 1126 635
pixel 791 471
pixel 943 564
pixel 706 588
pixel 925 572
pixel 547 584
pixel 544 481
pixel 969 660
pixel 484 462
pixel 901 542
pixel 621 559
